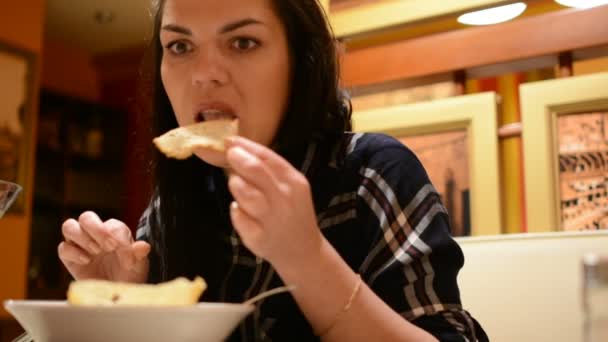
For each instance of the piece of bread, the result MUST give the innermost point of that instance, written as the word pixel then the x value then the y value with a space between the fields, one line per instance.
pixel 177 292
pixel 178 143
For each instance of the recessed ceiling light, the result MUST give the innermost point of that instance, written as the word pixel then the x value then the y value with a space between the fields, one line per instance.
pixel 104 16
pixel 493 15
pixel 582 3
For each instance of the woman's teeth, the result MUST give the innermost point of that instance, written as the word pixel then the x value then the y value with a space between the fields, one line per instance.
pixel 209 115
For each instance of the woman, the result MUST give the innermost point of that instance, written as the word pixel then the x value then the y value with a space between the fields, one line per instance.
pixel 350 219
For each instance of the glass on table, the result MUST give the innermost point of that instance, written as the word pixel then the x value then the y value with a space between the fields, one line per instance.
pixel 8 193
pixel 595 298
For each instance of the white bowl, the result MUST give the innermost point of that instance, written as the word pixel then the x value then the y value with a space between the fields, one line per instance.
pixel 57 321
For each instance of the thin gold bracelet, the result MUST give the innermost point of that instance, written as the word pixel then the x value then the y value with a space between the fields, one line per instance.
pixel 345 308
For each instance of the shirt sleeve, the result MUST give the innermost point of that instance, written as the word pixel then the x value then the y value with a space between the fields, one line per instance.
pixel 144 226
pixel 149 217
pixel 413 261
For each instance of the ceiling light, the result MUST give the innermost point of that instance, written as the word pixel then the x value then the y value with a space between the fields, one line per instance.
pixel 493 15
pixel 582 3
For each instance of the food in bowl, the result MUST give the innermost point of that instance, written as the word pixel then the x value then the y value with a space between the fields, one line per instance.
pixel 177 292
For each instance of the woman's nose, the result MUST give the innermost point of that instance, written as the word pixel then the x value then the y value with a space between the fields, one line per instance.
pixel 209 70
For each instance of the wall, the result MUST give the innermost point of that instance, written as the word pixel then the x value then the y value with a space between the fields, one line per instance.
pixel 121 87
pixel 21 25
pixel 590 66
pixel 69 70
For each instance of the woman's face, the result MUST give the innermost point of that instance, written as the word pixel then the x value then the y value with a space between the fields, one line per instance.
pixel 226 59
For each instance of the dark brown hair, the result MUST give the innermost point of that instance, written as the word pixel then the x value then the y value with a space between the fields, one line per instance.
pixel 187 237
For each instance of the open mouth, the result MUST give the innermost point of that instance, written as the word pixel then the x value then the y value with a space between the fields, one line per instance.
pixel 213 114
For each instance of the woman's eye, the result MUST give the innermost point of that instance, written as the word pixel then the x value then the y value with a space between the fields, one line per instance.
pixel 179 48
pixel 244 44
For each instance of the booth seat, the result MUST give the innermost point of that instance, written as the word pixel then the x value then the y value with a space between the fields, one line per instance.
pixel 528 287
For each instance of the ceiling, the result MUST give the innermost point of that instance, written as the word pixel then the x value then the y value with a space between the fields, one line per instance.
pixel 343 4
pixel 74 22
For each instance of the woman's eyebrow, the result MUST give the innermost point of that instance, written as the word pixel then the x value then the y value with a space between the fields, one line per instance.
pixel 177 29
pixel 238 24
pixel 225 29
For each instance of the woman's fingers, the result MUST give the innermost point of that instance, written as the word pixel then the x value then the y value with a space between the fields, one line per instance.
pixel 71 232
pixel 140 250
pixel 72 254
pixel 119 231
pixel 264 169
pixel 94 227
pixel 117 256
pixel 275 162
pixel 250 199
pixel 210 155
pixel 133 254
pixel 248 228
pixel 252 169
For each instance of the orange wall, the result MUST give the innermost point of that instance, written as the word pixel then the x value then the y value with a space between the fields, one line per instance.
pixel 69 70
pixel 590 66
pixel 21 25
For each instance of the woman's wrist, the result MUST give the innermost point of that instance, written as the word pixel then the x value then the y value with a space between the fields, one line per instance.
pixel 295 265
pixel 323 277
pixel 305 257
pixel 328 327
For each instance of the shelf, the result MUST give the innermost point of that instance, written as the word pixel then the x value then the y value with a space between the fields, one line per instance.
pixel 47 204
pixel 44 151
pixel 79 208
pixel 68 183
pixel 85 162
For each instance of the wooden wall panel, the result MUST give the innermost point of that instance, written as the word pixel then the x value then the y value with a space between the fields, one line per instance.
pixel 527 39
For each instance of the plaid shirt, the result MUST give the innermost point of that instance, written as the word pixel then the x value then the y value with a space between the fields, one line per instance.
pixel 377 207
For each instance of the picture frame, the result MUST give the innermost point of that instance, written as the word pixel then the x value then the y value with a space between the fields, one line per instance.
pixel 542 104
pixel 477 114
pixel 17 67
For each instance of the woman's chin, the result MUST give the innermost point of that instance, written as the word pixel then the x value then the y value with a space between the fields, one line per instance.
pixel 212 157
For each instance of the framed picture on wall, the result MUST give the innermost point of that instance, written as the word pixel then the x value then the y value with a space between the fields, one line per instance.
pixel 565 142
pixel 16 116
pixel 445 156
pixel 456 141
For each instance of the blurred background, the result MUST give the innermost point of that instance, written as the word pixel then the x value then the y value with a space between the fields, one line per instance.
pixel 74 135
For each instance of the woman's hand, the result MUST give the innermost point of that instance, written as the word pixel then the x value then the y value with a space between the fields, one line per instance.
pixel 276 220
pixel 273 210
pixel 102 250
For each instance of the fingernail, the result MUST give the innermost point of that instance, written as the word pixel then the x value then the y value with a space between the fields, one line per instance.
pixel 83 259
pixel 94 248
pixel 241 153
pixel 234 205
